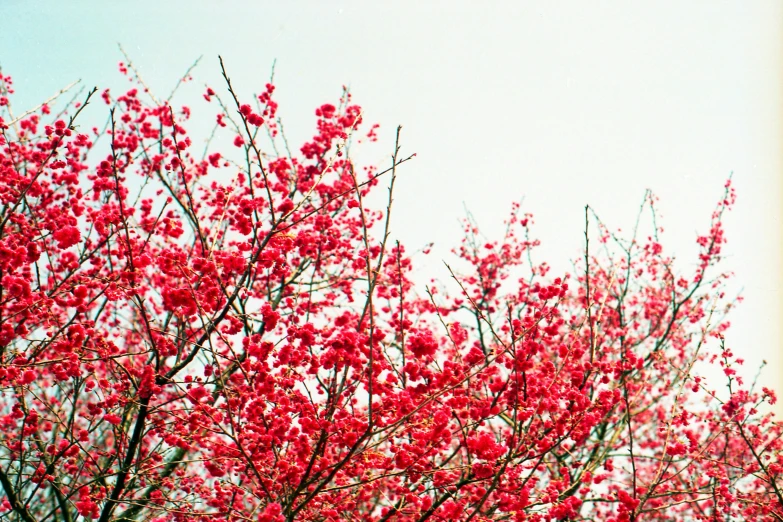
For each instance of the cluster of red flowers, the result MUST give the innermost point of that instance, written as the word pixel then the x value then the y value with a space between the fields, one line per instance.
pixel 232 336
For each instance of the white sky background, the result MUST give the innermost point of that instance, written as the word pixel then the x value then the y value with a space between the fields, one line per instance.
pixel 565 105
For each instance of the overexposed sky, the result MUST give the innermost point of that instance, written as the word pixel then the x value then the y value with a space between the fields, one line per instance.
pixel 564 104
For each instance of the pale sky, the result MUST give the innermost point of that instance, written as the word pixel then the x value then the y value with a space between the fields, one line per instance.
pixel 565 105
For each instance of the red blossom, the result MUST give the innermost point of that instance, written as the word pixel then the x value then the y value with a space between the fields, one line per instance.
pixel 67 236
pixel 233 334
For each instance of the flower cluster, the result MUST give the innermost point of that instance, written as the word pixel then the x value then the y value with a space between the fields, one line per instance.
pixel 232 336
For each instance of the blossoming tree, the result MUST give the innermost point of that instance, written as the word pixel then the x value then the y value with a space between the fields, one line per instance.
pixel 233 336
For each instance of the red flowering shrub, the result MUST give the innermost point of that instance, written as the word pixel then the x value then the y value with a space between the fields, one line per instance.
pixel 223 336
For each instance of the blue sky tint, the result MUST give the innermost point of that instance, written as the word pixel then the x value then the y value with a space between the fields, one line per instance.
pixel 564 105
